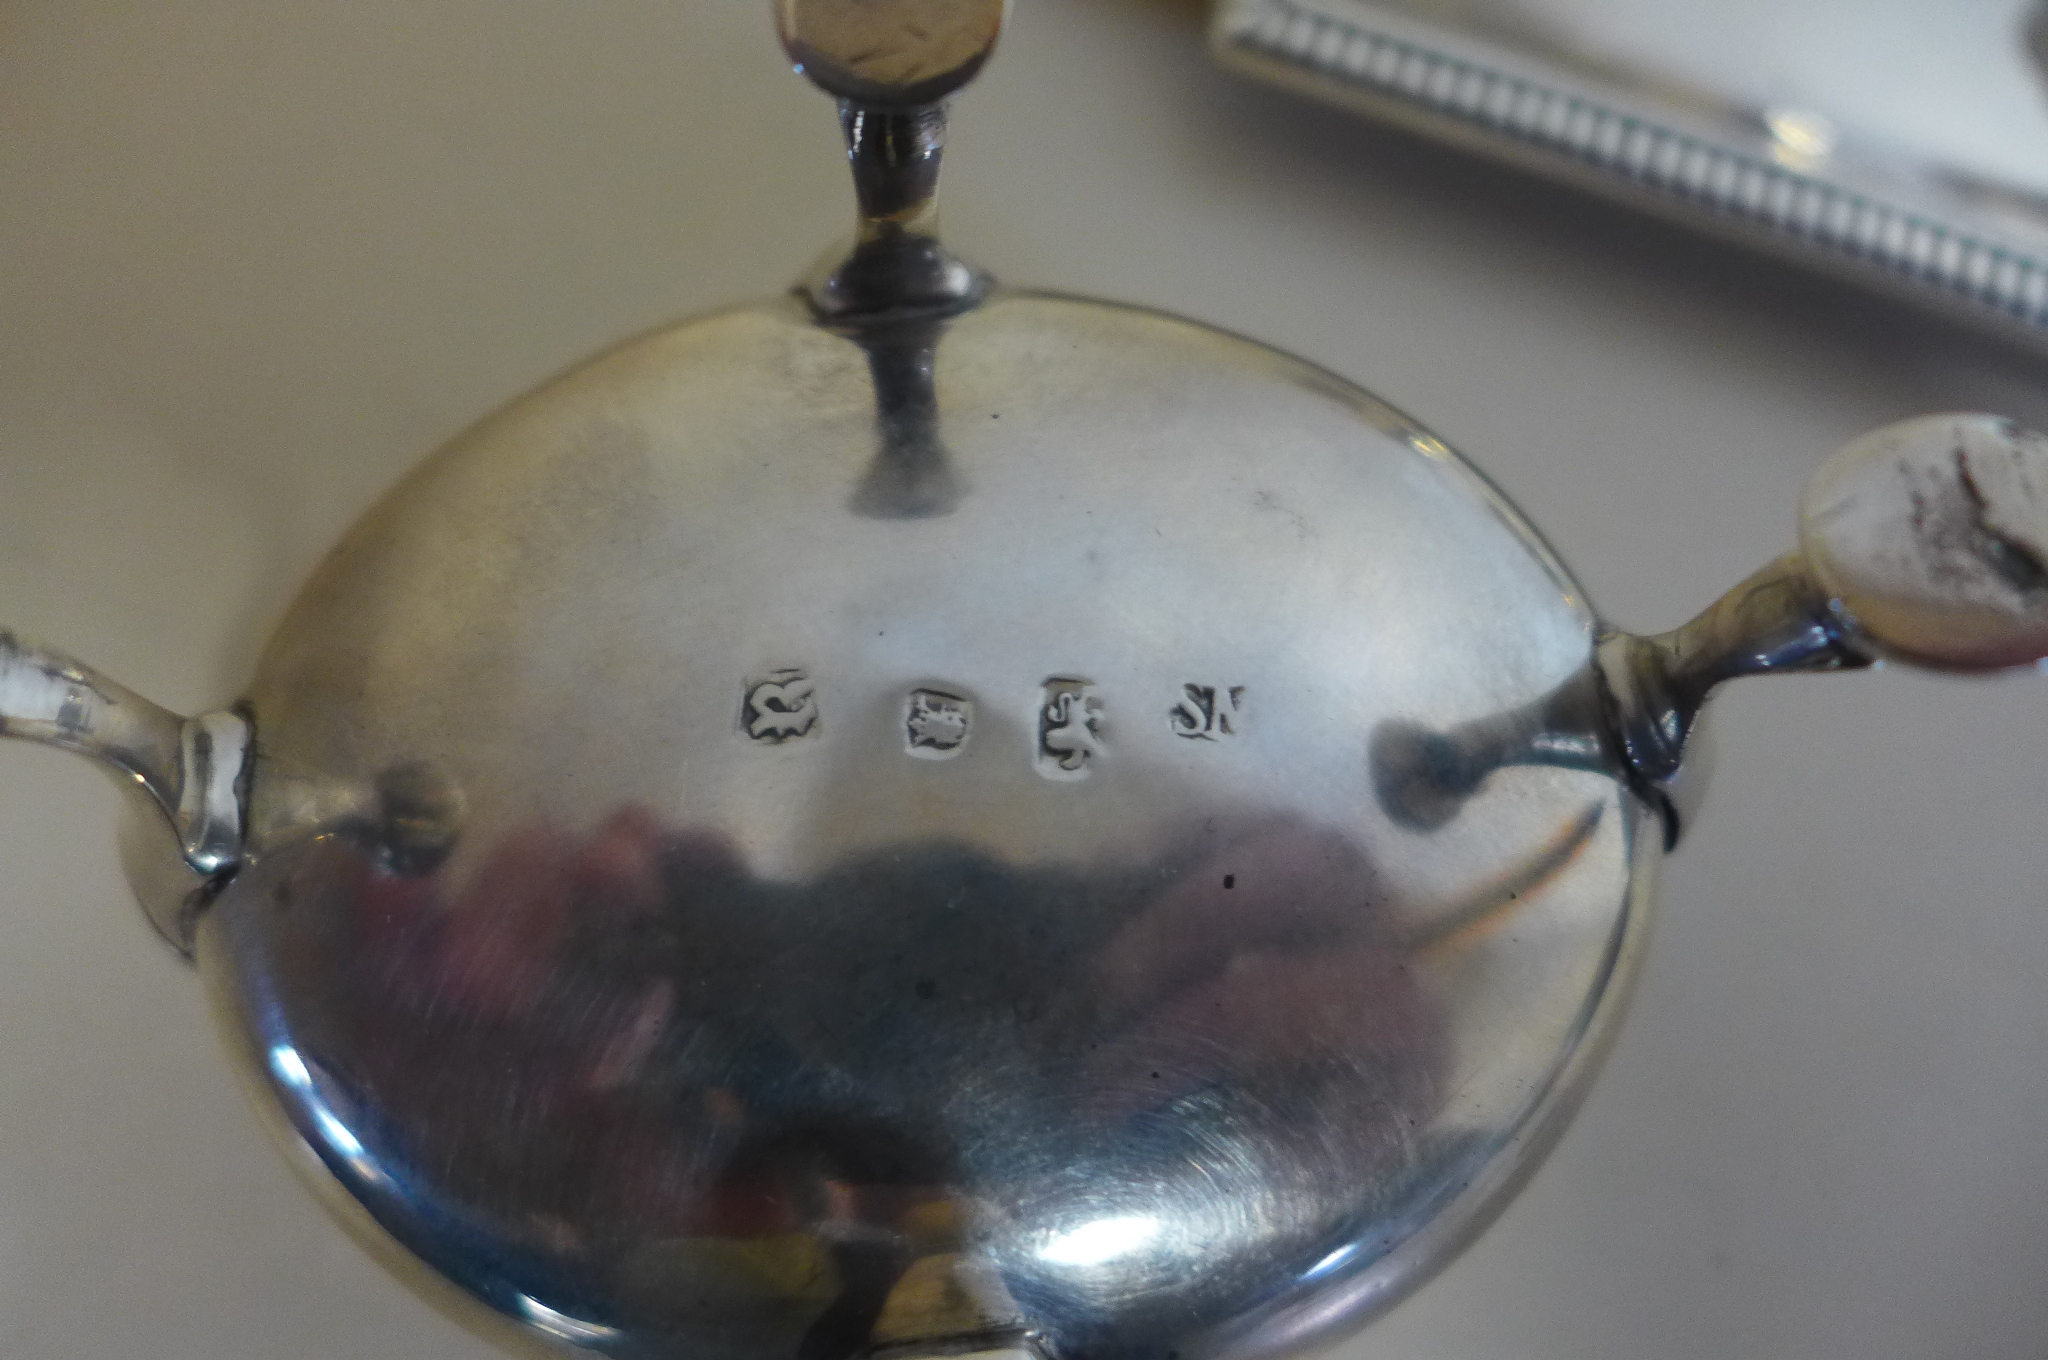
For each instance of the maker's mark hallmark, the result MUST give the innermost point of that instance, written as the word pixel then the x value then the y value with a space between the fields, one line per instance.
pixel 1207 712
pixel 1069 729
pixel 936 724
pixel 779 707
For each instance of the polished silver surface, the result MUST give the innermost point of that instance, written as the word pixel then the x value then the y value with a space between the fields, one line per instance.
pixel 1776 621
pixel 988 824
pixel 892 64
pixel 730 1021
pixel 866 823
pixel 184 775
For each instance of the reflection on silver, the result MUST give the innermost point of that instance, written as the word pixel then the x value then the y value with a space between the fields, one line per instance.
pixel 804 1049
pixel 1103 1240
pixel 1270 875
pixel 1800 138
pixel 562 1327
pixel 292 1074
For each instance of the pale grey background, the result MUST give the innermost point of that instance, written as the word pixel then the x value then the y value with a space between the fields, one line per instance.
pixel 256 258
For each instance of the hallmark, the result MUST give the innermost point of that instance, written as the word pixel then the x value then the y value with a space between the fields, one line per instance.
pixel 1069 729
pixel 779 707
pixel 936 724
pixel 1207 712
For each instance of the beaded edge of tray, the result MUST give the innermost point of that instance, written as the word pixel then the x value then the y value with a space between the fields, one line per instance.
pixel 1517 108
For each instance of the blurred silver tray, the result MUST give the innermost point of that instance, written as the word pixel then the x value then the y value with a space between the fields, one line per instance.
pixel 1903 145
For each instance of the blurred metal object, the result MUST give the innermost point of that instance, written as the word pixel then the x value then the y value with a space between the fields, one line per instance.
pixel 187 775
pixel 890 53
pixel 907 823
pixel 892 64
pixel 1905 149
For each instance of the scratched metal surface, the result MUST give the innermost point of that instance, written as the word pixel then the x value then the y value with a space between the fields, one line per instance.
pixel 259 259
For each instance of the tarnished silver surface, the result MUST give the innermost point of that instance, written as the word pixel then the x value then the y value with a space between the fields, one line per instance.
pixel 865 925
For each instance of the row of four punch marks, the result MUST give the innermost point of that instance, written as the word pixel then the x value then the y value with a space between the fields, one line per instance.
pixel 782 706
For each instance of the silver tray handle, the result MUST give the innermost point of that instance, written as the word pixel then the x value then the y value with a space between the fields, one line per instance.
pixel 191 771
pixel 1923 542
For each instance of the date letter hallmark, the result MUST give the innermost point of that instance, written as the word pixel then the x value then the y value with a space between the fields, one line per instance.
pixel 936 724
pixel 1069 729
pixel 1207 712
pixel 779 707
